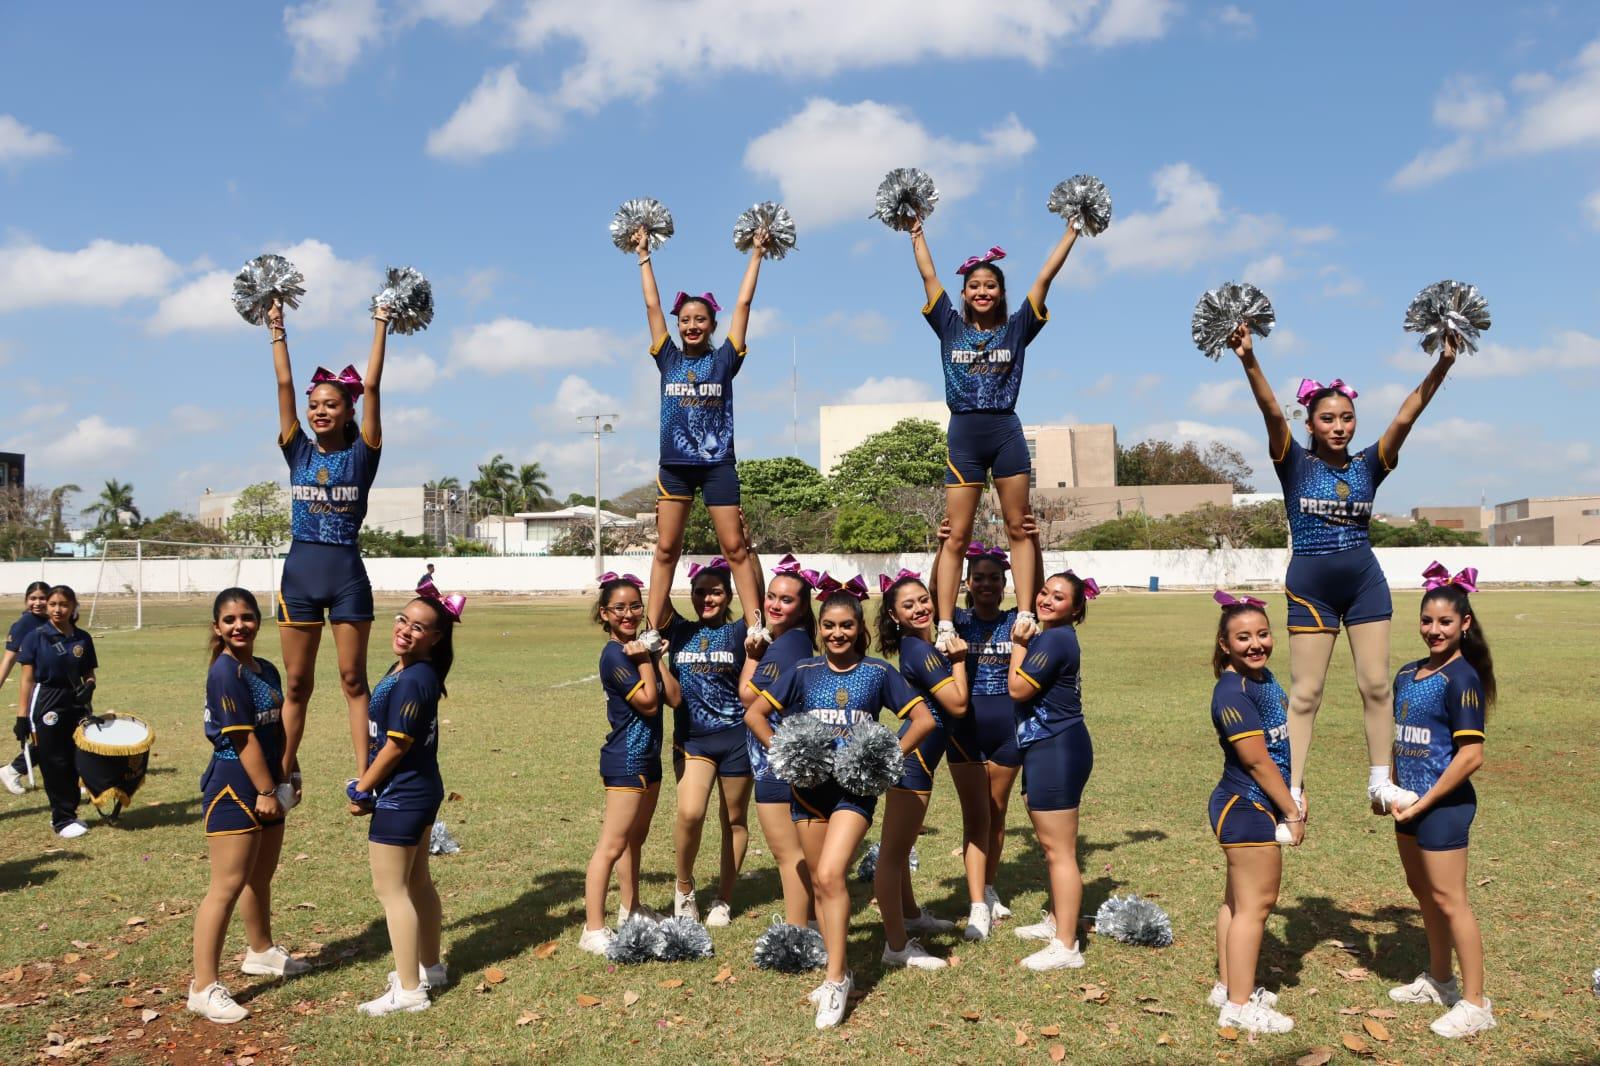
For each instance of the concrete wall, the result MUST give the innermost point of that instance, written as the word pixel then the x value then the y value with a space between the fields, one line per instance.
pixel 1093 505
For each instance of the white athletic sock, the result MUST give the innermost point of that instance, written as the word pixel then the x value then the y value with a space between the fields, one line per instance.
pixel 1297 794
pixel 1377 775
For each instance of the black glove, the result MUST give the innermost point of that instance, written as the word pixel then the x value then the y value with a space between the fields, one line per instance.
pixel 22 729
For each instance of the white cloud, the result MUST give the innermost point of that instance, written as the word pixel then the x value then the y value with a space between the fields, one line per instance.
pixel 1569 350
pixel 1314 234
pixel 408 422
pixel 102 274
pixel 497 114
pixel 1201 433
pixel 1336 281
pixel 1432 164
pixel 1268 271
pixel 1591 209
pixel 1564 113
pixel 764 322
pixel 206 303
pixel 1237 19
pixel 41 412
pixel 1102 385
pixel 1386 397
pixel 479 285
pixel 829 157
pixel 510 344
pixel 576 396
pixel 569 464
pixel 1126 21
pixel 409 372
pixel 889 390
pixel 1457 433
pixel 338 292
pixel 92 439
pixel 1189 225
pixel 1217 398
pixel 1286 341
pixel 1146 382
pixel 329 36
pixel 19 143
pixel 1464 104
pixel 192 418
pixel 450 12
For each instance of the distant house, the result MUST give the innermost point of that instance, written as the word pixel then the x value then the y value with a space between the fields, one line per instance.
pixel 532 532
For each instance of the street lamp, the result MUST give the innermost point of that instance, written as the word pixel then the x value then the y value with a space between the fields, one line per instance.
pixel 601 424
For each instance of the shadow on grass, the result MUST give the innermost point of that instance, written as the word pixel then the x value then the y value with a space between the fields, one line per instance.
pixel 551 906
pixel 170 813
pixel 33 870
pixel 1397 953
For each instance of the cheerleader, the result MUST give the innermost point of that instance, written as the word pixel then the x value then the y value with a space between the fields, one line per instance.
pixel 1334 578
pixel 905 629
pixel 58 665
pixel 401 790
pixel 697 452
pixel 790 636
pixel 1440 704
pixel 630 759
pixel 841 687
pixel 707 658
pixel 241 795
pixel 1057 755
pixel 14 775
pixel 330 474
pixel 1248 807
pixel 982 348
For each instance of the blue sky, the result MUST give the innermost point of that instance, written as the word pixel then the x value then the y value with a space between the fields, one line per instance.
pixel 1340 156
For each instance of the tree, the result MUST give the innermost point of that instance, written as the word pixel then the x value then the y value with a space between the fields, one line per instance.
pixel 1262 525
pixel 1052 514
pixel 699 534
pixel 1161 462
pixel 114 502
pixel 383 542
pixel 493 486
pixel 24 523
pixel 448 483
pixel 910 454
pixel 578 539
pixel 260 515
pixel 186 528
pixel 789 485
pixel 1420 534
pixel 58 503
pixel 638 500
pixel 865 527
pixel 468 546
pixel 773 534
pixel 532 488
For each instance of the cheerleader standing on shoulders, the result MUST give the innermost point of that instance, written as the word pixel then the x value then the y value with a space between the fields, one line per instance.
pixel 243 812
pixel 841 687
pixel 401 789
pixel 1334 578
pixel 630 758
pixel 1249 713
pixel 13 776
pixel 697 431
pixel 330 475
pixel 790 637
pixel 1440 704
pixel 1057 756
pixel 58 665
pixel 905 628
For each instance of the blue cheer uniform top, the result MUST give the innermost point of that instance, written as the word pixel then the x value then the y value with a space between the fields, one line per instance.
pixel 1432 717
pixel 1051 668
pixel 242 700
pixel 22 627
pixel 1242 707
pixel 790 647
pixel 405 706
pixel 60 663
pixel 328 490
pixel 633 744
pixel 988 649
pixel 982 368
pixel 926 670
pixel 707 660
pixel 1329 509
pixel 841 699
pixel 696 403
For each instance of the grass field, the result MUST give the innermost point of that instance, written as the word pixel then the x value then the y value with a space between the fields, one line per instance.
pixel 96 932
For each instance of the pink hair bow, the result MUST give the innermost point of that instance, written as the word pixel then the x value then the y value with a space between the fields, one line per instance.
pixel 347 378
pixel 716 563
pixel 996 252
pixel 1091 587
pixel 1437 575
pixel 612 575
pixel 856 586
pixel 791 566
pixel 1309 387
pixel 1228 600
pixel 976 550
pixel 684 297
pixel 452 604
pixel 885 582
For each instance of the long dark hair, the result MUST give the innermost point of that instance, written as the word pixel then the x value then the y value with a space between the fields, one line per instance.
pixel 351 430
pixel 66 590
pixel 443 653
pixel 1219 656
pixel 225 597
pixel 1311 404
pixel 1080 602
pixel 597 613
pixel 726 580
pixel 1000 307
pixel 36 586
pixel 889 630
pixel 808 620
pixel 844 599
pixel 1474 644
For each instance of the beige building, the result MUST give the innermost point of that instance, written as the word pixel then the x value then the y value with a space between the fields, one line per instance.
pixel 1067 510
pixel 1546 521
pixel 1466 519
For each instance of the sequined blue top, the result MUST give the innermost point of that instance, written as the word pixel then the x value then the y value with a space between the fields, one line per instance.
pixel 982 368
pixel 1329 508
pixel 328 490
pixel 696 403
pixel 988 649
pixel 706 660
pixel 239 700
pixel 841 699
pixel 1431 717
pixel 1242 707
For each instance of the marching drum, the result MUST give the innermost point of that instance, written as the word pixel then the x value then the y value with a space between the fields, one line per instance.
pixel 113 754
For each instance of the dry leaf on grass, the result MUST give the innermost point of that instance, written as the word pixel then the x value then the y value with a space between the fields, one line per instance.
pixel 1057 1052
pixel 494 975
pixel 1376 1029
pixel 629 998
pixel 1158 1010
pixel 131 922
pixel 1355 973
pixel 1228 1032
pixel 1317 1056
pixel 1382 1012
pixel 82 978
pixel 1540 1015
pixel 71 957
pixel 13 975
pixel 1350 1011
pixel 586 1000
pixel 454 797
pixel 545 950
pixel 1164 1039
pixel 971 1015
pixel 1094 994
pixel 1021 1039
pixel 1355 1044
pixel 1486 881
pixel 147 1015
pixel 131 1002
pixel 527 1017
pixel 108 956
pixel 723 975
pixel 1050 1030
pixel 671 982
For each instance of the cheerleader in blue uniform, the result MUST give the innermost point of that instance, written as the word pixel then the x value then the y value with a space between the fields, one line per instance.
pixel 1440 704
pixel 34 615
pixel 630 758
pixel 1057 756
pixel 1249 712
pixel 330 475
pixel 905 629
pixel 1334 578
pixel 58 667
pixel 789 637
pixel 401 790
pixel 707 658
pixel 841 687
pixel 240 797
pixel 697 453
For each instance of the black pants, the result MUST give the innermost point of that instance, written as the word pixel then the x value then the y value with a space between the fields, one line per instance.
pixel 53 725
pixel 20 763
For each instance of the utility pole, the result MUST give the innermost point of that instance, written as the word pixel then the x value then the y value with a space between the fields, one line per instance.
pixel 602 423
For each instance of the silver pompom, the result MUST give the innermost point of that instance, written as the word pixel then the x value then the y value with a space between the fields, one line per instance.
pixel 638 940
pixel 1448 308
pixel 262 280
pixel 1224 309
pixel 408 298
pixel 868 868
pixel 683 938
pixel 802 751
pixel 1084 202
pixel 1595 987
pixel 870 761
pixel 790 949
pixel 1134 920
pixel 440 842
pixel 651 214
pixel 905 195
pixel 776 220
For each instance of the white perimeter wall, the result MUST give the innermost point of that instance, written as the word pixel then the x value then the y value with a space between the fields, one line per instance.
pixel 1175 569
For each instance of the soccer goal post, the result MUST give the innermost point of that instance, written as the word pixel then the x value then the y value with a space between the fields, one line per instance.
pixel 146 582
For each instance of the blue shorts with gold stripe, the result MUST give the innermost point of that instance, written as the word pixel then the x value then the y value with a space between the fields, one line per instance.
pixel 820 803
pixel 1345 587
pixel 324 578
pixel 637 782
pixel 922 762
pixel 724 749
pixel 1240 822
pixel 985 442
pixel 717 482
pixel 1444 826
pixel 228 798
pixel 962 744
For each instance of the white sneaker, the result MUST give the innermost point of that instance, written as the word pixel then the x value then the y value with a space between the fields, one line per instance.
pixel 913 955
pixel 1385 796
pixel 435 976
pixel 1219 996
pixel 274 962
pixel 1427 990
pixel 1253 1017
pixel 1055 956
pixel 978 922
pixel 639 911
pixel 1043 930
pixel 214 1004
pixel 684 904
pixel 720 914
pixel 997 910
pixel 927 923
pixel 1464 1019
pixel 14 782
pixel 595 941
pixel 72 830
pixel 395 998
pixel 832 999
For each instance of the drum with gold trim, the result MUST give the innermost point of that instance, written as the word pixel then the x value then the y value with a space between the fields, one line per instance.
pixel 113 755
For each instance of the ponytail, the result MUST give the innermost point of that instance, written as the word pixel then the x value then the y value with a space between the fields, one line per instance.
pixel 890 631
pixel 443 653
pixel 1474 642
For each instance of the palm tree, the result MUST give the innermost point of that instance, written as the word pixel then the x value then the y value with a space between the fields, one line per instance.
pixel 58 499
pixel 115 500
pixel 494 485
pixel 532 488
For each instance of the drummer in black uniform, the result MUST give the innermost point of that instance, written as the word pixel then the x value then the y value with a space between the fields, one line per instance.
pixel 58 665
